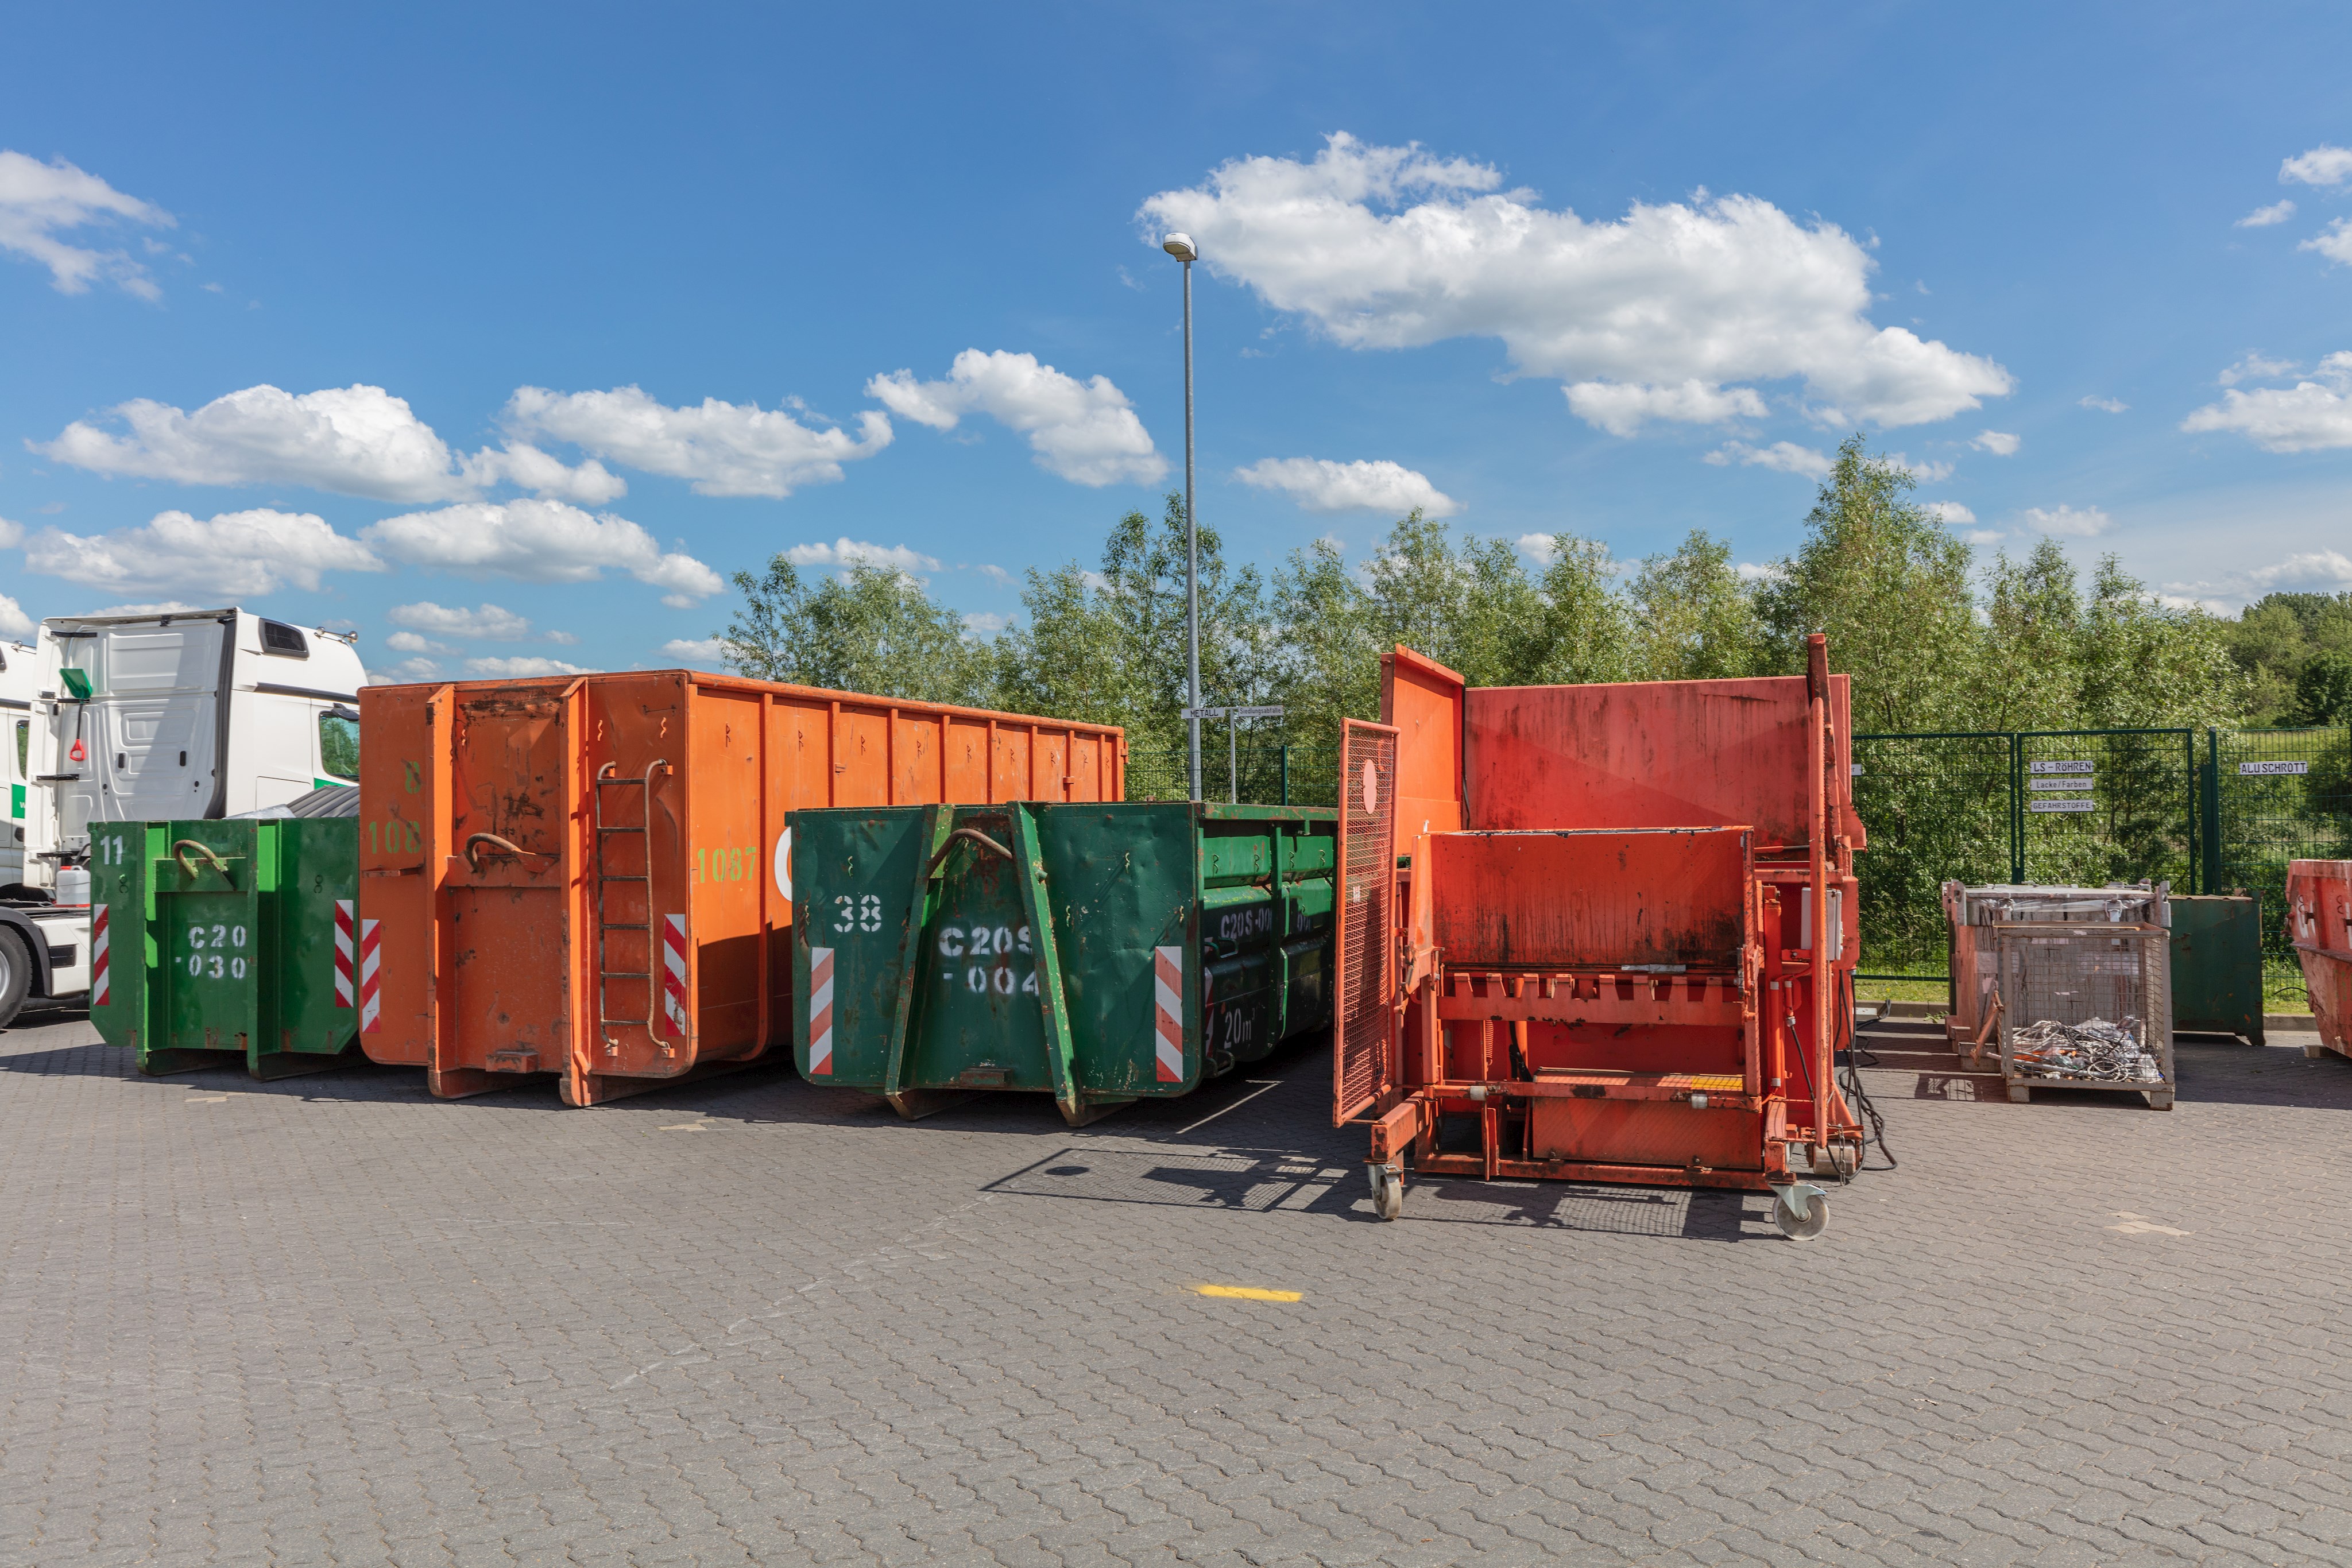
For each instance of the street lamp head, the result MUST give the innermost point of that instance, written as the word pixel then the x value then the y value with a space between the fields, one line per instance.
pixel 1181 248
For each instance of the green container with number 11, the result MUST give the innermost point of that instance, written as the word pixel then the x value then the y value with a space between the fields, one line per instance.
pixel 216 941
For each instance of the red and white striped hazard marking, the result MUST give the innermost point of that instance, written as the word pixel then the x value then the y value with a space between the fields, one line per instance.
pixel 345 986
pixel 820 1010
pixel 1168 1013
pixel 674 972
pixel 371 962
pixel 97 985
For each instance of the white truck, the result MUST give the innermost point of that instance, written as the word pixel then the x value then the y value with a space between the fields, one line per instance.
pixel 135 718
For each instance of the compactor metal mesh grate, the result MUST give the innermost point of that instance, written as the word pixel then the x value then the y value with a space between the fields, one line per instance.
pixel 1367 915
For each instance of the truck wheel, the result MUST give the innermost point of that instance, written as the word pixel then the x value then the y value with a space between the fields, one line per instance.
pixel 16 975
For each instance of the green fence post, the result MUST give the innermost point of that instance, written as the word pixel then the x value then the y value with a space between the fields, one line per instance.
pixel 1285 775
pixel 2211 826
pixel 2016 807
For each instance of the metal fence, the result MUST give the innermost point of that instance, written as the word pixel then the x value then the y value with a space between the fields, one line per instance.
pixel 2206 813
pixel 1267 775
pixel 2271 796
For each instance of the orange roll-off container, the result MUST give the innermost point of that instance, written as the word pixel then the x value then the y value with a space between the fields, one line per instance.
pixel 591 876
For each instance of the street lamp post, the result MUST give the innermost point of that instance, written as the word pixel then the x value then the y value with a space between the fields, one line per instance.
pixel 1181 246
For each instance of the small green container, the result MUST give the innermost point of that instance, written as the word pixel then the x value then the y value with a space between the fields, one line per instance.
pixel 1101 953
pixel 2216 964
pixel 218 939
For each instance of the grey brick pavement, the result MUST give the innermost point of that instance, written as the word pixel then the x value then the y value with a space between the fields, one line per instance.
pixel 329 1321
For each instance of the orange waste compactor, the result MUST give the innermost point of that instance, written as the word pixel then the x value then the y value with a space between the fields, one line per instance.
pixel 591 876
pixel 2319 924
pixel 1577 938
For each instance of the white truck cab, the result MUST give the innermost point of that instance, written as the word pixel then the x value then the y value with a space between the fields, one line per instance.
pixel 131 718
pixel 19 679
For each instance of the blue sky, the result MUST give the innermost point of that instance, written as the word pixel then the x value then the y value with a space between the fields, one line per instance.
pixel 506 334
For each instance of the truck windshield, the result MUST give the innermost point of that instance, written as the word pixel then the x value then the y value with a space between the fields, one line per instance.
pixel 339 744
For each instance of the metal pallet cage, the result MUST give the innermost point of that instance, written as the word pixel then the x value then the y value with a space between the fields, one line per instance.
pixel 2080 976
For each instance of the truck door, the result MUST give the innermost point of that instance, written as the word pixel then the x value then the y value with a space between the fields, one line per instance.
pixel 149 731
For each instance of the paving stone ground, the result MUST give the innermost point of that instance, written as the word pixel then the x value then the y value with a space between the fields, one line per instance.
pixel 331 1321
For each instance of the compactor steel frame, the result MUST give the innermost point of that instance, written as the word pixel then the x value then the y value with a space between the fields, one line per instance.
pixel 1578 935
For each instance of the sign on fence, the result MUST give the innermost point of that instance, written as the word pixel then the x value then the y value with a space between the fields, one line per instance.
pixel 2271 769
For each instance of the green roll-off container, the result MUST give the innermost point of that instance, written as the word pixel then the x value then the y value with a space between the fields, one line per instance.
pixel 1102 954
pixel 217 940
pixel 2216 964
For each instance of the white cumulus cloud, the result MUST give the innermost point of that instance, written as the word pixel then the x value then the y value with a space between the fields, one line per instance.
pixel 2263 217
pixel 2103 405
pixel 1086 431
pixel 2333 242
pixel 2322 165
pixel 358 439
pixel 695 650
pixel 724 448
pixel 13 621
pixel 540 541
pixel 1999 443
pixel 232 555
pixel 846 552
pixel 2322 569
pixel 526 467
pixel 522 666
pixel 2074 522
pixel 1622 408
pixel 2313 416
pixel 1390 247
pixel 1783 456
pixel 40 202
pixel 1951 514
pixel 487 621
pixel 2254 367
pixel 412 642
pixel 1320 484
pixel 11 534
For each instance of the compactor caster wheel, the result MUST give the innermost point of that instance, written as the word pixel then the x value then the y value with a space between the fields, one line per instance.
pixel 1817 1215
pixel 1388 1191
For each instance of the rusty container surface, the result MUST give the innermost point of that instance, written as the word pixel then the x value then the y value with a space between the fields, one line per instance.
pixel 1609 961
pixel 591 876
pixel 2319 924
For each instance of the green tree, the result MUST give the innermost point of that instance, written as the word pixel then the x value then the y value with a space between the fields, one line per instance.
pixel 1327 651
pixel 1109 646
pixel 1574 627
pixel 1466 606
pixel 2143 663
pixel 2323 691
pixel 1693 617
pixel 1881 575
pixel 870 629
pixel 2029 674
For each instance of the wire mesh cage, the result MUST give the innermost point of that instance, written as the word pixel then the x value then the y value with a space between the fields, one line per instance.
pixel 2085 1007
